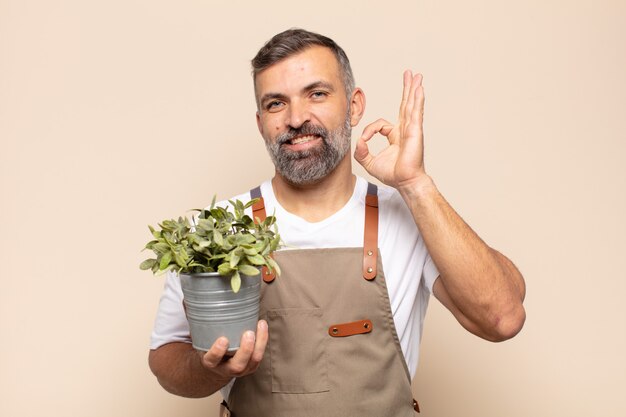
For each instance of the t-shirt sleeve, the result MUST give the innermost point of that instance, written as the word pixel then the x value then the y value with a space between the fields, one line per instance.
pixel 430 273
pixel 171 323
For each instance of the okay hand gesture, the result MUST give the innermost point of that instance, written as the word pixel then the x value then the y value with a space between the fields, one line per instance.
pixel 401 164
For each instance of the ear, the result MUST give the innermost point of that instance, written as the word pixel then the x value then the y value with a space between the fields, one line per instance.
pixel 258 123
pixel 357 106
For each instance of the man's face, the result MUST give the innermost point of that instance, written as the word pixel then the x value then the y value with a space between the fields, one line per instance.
pixel 304 115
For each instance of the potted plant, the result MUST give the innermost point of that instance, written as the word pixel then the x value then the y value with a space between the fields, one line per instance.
pixel 218 255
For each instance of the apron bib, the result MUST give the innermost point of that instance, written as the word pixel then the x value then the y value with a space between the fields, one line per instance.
pixel 333 349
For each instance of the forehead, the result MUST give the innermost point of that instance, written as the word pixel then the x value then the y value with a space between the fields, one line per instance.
pixel 293 73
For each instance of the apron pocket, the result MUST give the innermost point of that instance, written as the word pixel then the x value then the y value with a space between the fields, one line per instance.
pixel 297 347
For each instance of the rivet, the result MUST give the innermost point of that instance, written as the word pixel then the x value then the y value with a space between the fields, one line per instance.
pixel 366 325
pixel 369 252
pixel 370 269
pixel 335 330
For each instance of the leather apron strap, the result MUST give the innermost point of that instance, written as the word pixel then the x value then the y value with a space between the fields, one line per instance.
pixel 370 235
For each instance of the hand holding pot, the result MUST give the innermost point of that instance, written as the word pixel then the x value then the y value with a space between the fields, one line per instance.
pixel 245 361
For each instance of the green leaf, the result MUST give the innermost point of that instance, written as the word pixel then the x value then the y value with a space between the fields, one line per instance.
pixel 274 243
pixel 204 225
pixel 147 264
pixel 259 245
pixel 203 243
pixel 251 202
pixel 169 225
pixel 248 270
pixel 155 233
pixel 274 265
pixel 168 268
pixel 248 238
pixel 247 222
pixel 165 260
pixel 224 268
pixel 256 259
pixel 150 244
pixel 180 259
pixel 235 282
pixel 161 247
pixel 234 259
pixel 168 238
pixel 217 237
pixel 250 251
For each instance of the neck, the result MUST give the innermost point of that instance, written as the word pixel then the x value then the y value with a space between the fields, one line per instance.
pixel 318 201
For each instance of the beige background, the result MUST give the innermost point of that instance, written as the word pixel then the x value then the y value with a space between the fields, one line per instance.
pixel 115 114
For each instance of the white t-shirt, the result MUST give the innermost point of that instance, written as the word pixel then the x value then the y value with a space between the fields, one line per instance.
pixel 409 270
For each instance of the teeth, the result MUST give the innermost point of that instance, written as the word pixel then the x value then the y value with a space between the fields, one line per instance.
pixel 302 139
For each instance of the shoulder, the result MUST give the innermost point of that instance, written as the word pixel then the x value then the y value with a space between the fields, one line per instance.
pixel 245 196
pixel 392 207
pixel 393 212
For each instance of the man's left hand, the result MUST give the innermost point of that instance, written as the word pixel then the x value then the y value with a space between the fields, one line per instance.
pixel 401 164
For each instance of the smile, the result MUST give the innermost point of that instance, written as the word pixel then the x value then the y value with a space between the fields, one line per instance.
pixel 302 139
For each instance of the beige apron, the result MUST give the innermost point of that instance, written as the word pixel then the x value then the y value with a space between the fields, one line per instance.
pixel 333 348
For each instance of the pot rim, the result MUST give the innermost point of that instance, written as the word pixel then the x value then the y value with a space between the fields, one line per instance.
pixel 203 274
pixel 215 274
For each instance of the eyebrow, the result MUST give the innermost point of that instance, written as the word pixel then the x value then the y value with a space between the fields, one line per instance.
pixel 319 84
pixel 313 86
pixel 272 96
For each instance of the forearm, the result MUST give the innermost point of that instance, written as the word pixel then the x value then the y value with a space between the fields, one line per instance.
pixel 179 370
pixel 483 285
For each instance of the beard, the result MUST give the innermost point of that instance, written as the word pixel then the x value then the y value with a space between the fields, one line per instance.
pixel 310 165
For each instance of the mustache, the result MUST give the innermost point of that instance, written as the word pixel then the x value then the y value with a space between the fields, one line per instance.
pixel 304 130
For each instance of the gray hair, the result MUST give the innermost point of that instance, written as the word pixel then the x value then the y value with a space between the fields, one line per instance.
pixel 294 41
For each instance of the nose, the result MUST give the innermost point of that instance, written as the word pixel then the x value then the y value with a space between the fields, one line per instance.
pixel 297 114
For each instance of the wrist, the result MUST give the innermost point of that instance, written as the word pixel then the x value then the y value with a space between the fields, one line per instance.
pixel 418 189
pixel 207 377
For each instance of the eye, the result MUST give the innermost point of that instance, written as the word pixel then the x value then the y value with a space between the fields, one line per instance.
pixel 273 105
pixel 319 94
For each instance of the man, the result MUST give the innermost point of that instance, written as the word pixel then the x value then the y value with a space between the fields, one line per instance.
pixel 345 317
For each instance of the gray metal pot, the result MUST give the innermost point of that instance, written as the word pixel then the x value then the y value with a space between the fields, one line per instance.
pixel 214 310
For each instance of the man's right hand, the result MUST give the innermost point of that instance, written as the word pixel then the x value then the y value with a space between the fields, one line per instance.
pixel 184 371
pixel 245 361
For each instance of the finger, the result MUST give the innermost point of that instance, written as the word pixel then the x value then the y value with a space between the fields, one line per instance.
pixel 214 356
pixel 381 126
pixel 405 92
pixel 416 82
pixel 238 364
pixel 414 128
pixel 362 154
pixel 419 109
pixel 417 115
pixel 262 335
